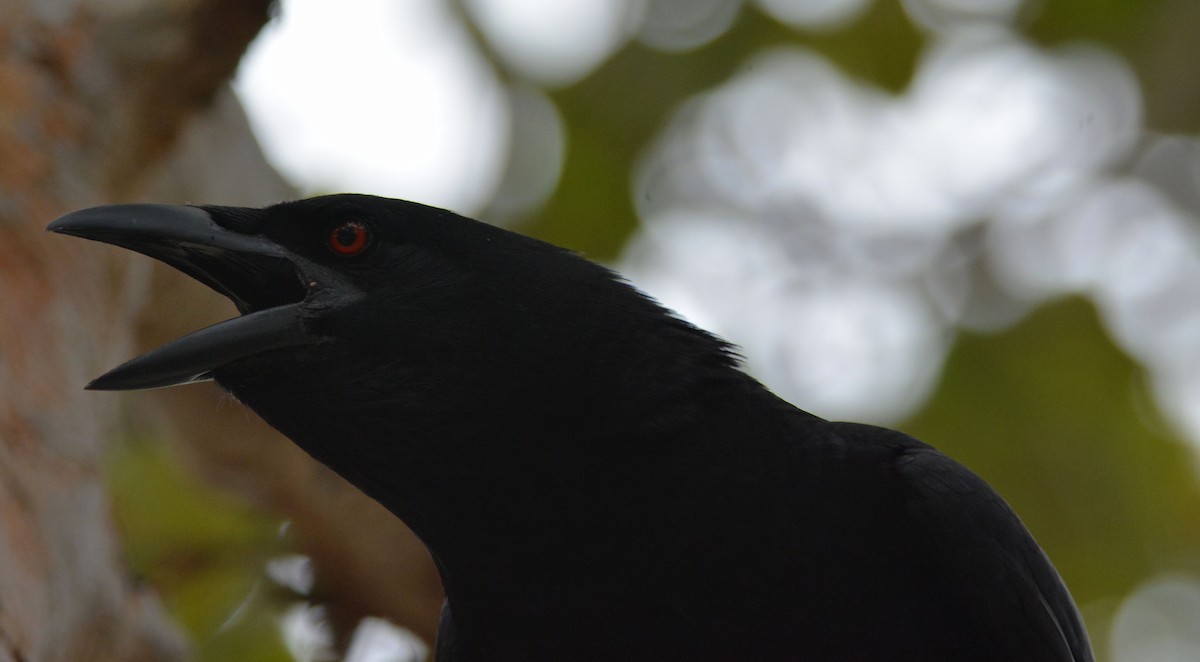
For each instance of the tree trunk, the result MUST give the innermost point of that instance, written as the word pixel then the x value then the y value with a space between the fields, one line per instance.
pixel 104 102
pixel 92 94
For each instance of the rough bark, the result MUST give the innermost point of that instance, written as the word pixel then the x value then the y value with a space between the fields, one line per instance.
pixel 103 102
pixel 79 84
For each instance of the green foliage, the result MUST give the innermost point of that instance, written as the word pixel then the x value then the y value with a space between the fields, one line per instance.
pixel 1157 38
pixel 202 549
pixel 1118 24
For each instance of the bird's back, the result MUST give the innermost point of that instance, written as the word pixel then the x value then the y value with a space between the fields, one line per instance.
pixel 785 537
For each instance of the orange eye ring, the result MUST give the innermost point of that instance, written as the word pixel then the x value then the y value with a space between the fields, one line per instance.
pixel 349 238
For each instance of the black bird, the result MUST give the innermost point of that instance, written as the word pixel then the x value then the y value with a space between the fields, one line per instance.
pixel 596 478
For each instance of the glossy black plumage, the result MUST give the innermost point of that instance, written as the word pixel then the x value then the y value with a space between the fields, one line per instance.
pixel 596 478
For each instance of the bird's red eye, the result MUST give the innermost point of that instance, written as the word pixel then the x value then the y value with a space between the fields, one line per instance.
pixel 349 237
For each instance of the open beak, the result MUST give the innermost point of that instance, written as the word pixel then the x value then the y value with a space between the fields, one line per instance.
pixel 267 283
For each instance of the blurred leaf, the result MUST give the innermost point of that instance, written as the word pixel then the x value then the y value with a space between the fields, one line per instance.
pixel 1118 23
pixel 1156 37
pixel 1058 420
pixel 612 115
pixel 202 549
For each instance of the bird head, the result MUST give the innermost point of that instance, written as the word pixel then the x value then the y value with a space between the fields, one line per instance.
pixel 374 330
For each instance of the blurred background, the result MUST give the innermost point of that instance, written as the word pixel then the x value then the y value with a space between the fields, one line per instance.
pixel 977 221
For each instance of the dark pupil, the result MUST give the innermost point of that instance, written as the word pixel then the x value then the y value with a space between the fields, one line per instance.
pixel 347 235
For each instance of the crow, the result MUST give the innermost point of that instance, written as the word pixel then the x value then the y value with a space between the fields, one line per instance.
pixel 596 478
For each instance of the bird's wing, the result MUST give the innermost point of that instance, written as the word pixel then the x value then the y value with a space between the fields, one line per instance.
pixel 986 560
